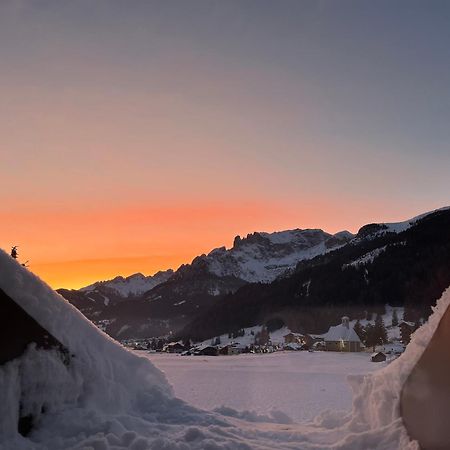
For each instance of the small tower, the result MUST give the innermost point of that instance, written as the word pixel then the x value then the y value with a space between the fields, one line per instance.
pixel 345 322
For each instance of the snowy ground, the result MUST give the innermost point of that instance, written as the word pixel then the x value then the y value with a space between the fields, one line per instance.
pixel 300 384
pixel 108 398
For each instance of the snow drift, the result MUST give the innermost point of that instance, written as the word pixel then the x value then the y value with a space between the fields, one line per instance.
pixel 106 397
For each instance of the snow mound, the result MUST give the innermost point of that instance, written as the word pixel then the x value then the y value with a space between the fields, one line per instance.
pixel 109 398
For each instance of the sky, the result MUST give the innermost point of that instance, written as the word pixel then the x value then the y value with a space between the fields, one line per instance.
pixel 136 135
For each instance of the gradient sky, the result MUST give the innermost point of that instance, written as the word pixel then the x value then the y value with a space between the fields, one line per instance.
pixel 136 135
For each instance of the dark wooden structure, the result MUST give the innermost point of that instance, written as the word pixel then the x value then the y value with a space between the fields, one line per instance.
pixel 18 330
pixel 378 357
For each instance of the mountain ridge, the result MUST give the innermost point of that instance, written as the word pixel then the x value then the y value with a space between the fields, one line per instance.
pixel 404 266
pixel 259 259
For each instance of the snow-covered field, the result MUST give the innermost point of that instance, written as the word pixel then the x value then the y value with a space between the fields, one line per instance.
pixel 107 398
pixel 300 384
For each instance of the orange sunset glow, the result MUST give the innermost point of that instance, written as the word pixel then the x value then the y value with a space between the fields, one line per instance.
pixel 145 136
pixel 75 248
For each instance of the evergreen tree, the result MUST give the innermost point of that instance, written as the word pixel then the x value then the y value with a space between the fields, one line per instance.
pixel 380 330
pixel 375 334
pixel 359 330
pixel 394 318
pixel 14 252
pixel 370 339
pixel 262 337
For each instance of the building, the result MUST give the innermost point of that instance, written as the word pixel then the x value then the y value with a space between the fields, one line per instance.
pixel 342 338
pixel 174 347
pixel 229 349
pixel 207 350
pixel 292 338
pixel 303 340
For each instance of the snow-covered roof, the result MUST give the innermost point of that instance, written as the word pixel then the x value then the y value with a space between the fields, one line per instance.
pixel 341 333
pixel 203 346
pixel 172 344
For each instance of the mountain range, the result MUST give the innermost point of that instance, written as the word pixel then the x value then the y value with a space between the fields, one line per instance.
pixel 165 302
pixel 306 278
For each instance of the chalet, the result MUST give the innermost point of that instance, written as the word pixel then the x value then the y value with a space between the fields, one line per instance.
pixel 342 338
pixel 303 340
pixel 174 347
pixel 229 349
pixel 308 340
pixel 291 338
pixel 207 350
pixel 378 357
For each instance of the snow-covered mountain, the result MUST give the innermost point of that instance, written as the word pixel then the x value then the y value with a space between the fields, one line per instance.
pixel 135 284
pixel 374 230
pixel 405 264
pixel 146 303
pixel 259 257
pixel 262 257
pixel 195 289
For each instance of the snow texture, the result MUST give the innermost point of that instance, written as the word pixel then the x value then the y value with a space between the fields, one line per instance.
pixel 399 227
pixel 133 285
pixel 262 257
pixel 300 384
pixel 109 398
pixel 367 258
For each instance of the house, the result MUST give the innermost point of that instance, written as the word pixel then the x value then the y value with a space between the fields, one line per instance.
pixel 342 338
pixel 378 357
pixel 301 339
pixel 229 349
pixel 174 347
pixel 291 338
pixel 207 350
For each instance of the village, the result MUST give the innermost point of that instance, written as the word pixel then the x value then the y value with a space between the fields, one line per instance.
pixel 382 343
